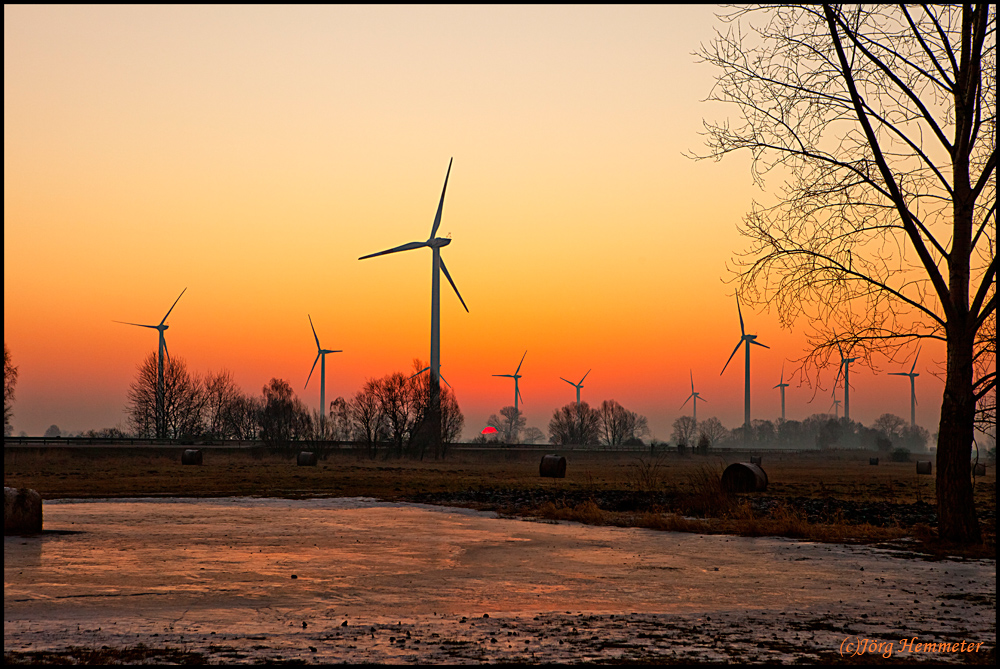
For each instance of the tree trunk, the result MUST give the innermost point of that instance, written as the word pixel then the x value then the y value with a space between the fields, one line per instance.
pixel 957 522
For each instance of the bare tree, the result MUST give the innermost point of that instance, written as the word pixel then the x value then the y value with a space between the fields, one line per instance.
pixel 220 393
pixel 53 432
pixel 183 400
pixel 509 424
pixel 575 424
pixel 683 432
pixel 713 429
pixel 284 417
pixel 619 425
pixel 9 383
pixel 890 425
pixel 883 121
pixel 367 417
pixel 339 424
pixel 532 435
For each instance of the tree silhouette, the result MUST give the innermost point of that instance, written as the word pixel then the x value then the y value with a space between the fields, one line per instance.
pixel 9 383
pixel 183 400
pixel 619 425
pixel 575 424
pixel 882 119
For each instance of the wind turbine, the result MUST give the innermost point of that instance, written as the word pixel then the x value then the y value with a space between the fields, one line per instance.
pixel 578 386
pixel 845 366
pixel 836 408
pixel 437 267
pixel 913 389
pixel 161 423
pixel 321 353
pixel 695 396
pixel 516 376
pixel 782 385
pixel 744 339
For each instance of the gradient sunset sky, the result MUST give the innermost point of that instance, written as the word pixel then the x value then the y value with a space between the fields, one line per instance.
pixel 252 154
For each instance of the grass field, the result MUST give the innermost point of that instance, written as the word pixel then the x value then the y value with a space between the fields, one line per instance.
pixel 824 496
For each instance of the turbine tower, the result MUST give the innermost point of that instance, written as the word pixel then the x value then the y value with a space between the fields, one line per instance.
pixel 695 396
pixel 161 419
pixel 516 376
pixel 578 386
pixel 913 389
pixel 321 353
pixel 747 340
pixel 782 385
pixel 437 267
pixel 845 366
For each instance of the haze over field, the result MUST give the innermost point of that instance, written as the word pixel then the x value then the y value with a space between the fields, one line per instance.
pixel 252 154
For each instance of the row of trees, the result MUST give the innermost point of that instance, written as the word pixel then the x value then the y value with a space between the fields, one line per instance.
pixel 819 430
pixel 574 424
pixel 388 414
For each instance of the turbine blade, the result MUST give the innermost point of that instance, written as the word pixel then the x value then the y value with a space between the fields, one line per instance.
pixel 740 312
pixel 841 350
pixel 584 376
pixel 519 396
pixel 839 370
pixel 898 374
pixel 915 361
pixel 686 401
pixel 754 341
pixel 448 276
pixel 444 379
pixel 731 357
pixel 691 372
pixel 437 217
pixel 320 348
pixel 568 381
pixel 509 376
pixel 404 247
pixel 702 398
pixel 326 350
pixel 173 305
pixel 313 369
pixel 155 327
pixel 419 373
pixel 165 349
pixel 522 362
pixel 782 374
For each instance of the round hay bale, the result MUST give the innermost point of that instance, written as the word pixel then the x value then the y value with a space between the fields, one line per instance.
pixel 873 461
pixel 307 459
pixel 191 456
pixel 924 467
pixel 553 466
pixel 744 477
pixel 22 511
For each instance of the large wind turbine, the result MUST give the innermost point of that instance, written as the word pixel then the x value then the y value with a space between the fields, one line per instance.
pixel 695 396
pixel 516 376
pixel 747 340
pixel 845 366
pixel 161 423
pixel 437 267
pixel 320 353
pixel 782 385
pixel 578 386
pixel 913 389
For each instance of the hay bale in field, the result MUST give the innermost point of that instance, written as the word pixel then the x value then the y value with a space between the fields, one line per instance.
pixel 744 477
pixel 873 461
pixel 22 511
pixel 191 456
pixel 924 467
pixel 306 459
pixel 553 466
pixel 979 469
pixel 756 459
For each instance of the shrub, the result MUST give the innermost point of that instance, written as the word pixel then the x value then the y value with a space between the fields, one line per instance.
pixel 900 455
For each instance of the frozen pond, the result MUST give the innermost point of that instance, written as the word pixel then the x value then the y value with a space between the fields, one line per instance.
pixel 240 579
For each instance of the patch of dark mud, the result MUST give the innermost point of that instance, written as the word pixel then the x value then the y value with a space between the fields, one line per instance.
pixel 105 655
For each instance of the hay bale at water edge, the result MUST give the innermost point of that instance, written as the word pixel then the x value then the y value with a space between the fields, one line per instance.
pixel 22 511
pixel 924 467
pixel 191 456
pixel 553 466
pixel 744 477
pixel 307 459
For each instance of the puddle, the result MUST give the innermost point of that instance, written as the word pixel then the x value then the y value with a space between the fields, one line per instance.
pixel 248 579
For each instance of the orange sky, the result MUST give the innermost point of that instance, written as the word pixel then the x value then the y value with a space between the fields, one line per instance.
pixel 252 154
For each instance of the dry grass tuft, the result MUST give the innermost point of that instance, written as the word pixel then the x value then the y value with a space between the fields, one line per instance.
pixel 587 512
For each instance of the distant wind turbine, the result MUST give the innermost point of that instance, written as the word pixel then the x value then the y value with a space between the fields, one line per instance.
pixel 845 366
pixel 320 354
pixel 578 386
pixel 695 396
pixel 913 389
pixel 437 267
pixel 161 423
pixel 747 340
pixel 516 376
pixel 782 385
pixel 836 408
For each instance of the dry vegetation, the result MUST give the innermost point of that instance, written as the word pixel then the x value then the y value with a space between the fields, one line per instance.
pixel 822 496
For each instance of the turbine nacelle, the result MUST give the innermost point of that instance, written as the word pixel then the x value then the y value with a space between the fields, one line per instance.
pixel 438 242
